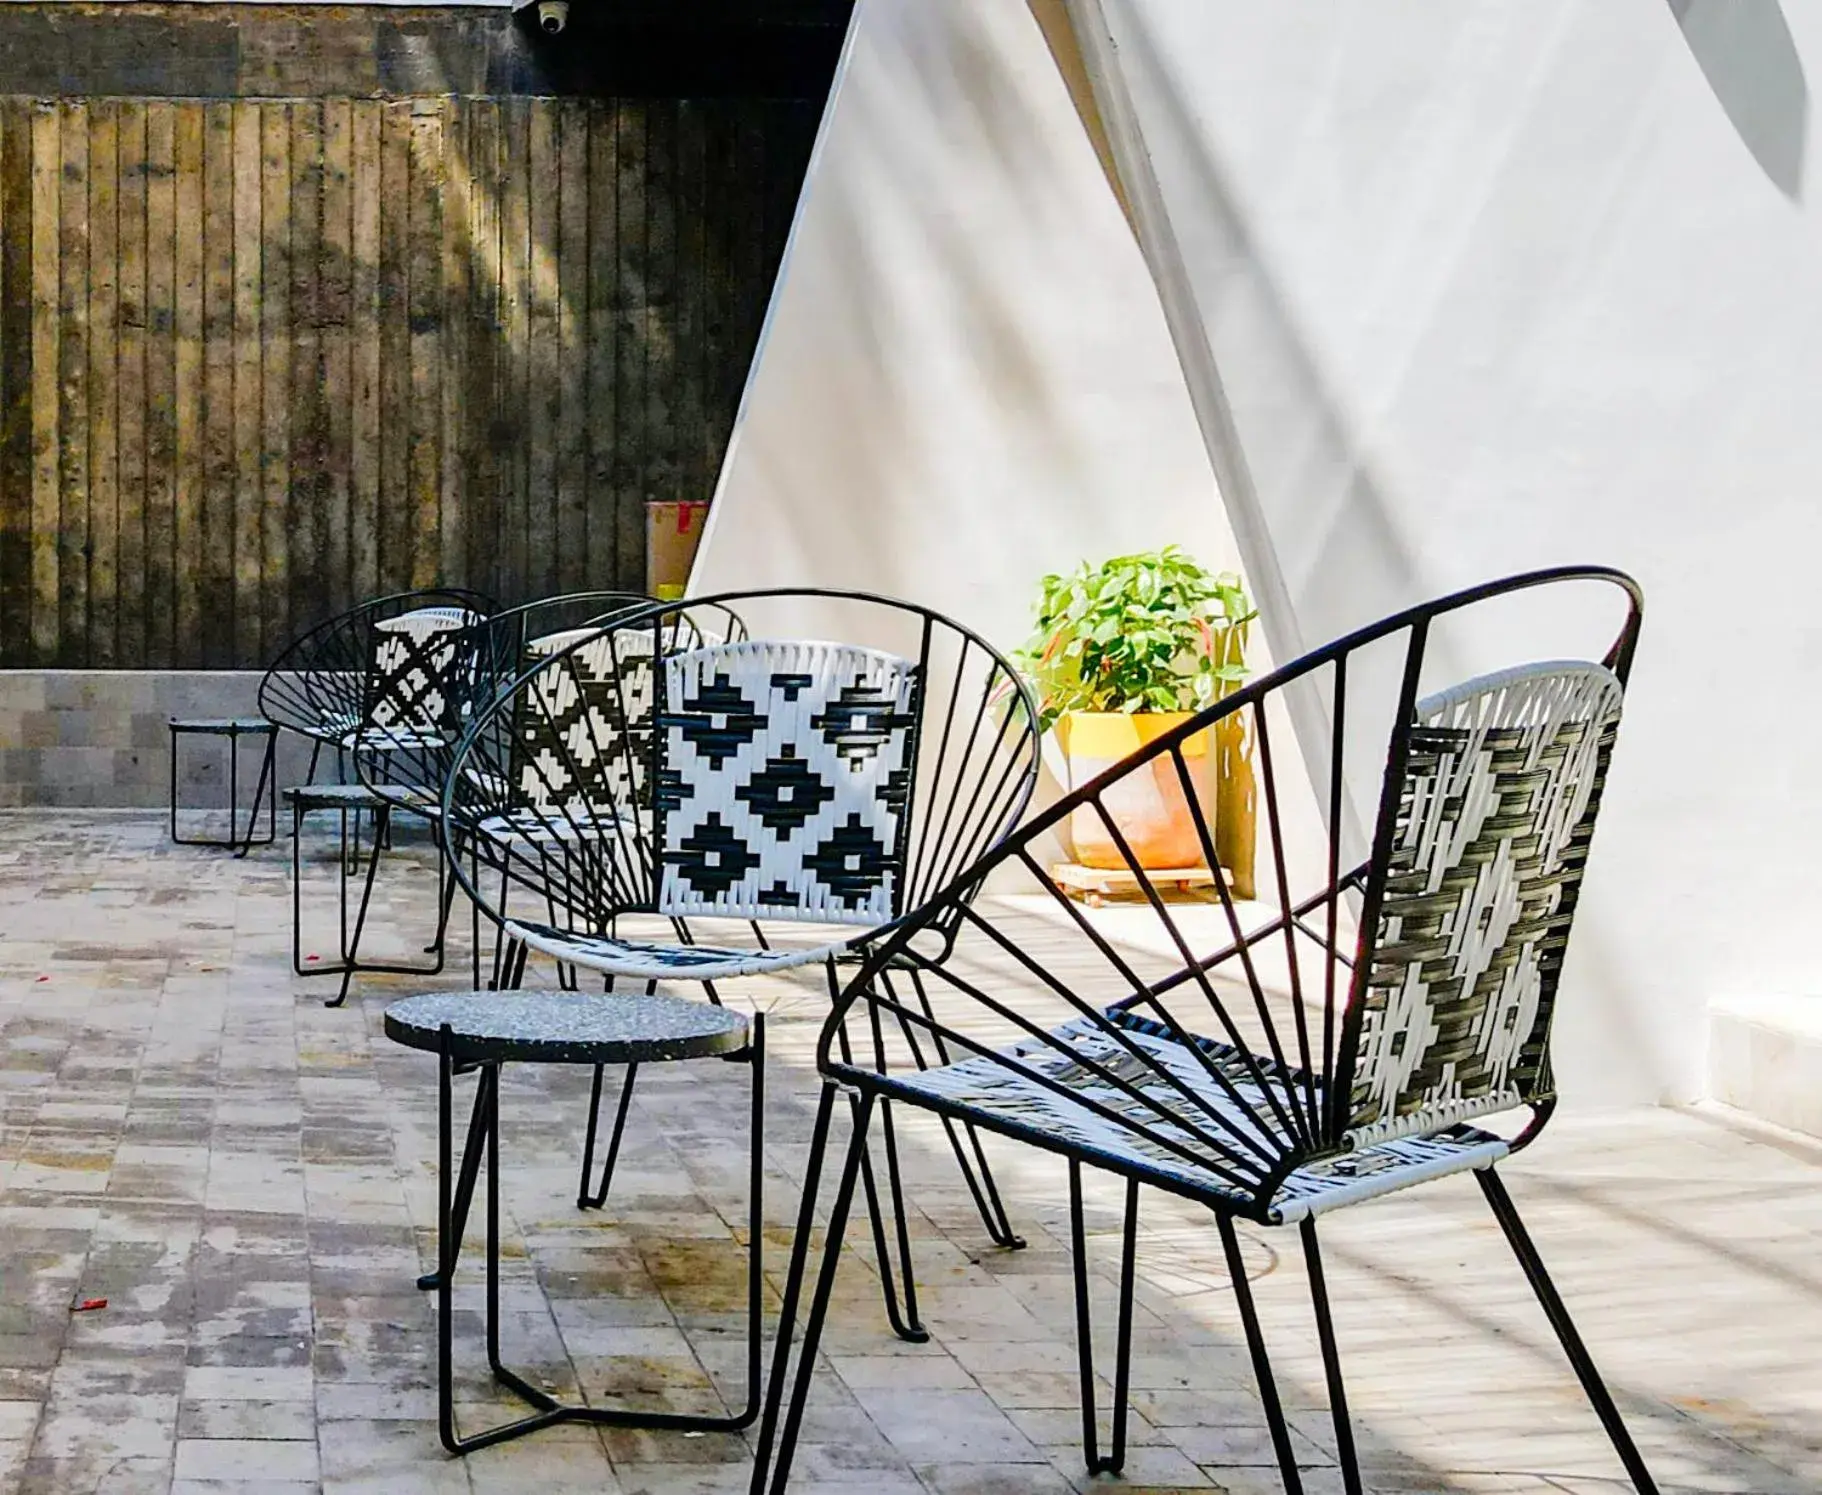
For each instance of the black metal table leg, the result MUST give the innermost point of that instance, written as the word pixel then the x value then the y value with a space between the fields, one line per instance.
pixel 484 1128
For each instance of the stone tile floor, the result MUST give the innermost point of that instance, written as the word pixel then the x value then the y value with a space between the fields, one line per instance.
pixel 247 1179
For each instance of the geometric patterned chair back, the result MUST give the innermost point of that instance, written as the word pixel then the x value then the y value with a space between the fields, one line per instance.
pixel 411 686
pixel 784 781
pixel 1489 825
pixel 582 735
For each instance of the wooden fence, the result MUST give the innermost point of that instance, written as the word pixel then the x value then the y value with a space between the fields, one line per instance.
pixel 262 358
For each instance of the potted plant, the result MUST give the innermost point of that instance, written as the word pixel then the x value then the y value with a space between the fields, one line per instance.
pixel 1122 653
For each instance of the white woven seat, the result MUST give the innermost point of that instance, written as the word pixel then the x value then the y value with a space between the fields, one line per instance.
pixel 651 960
pixel 993 1092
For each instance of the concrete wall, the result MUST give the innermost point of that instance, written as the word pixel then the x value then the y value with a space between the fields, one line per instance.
pixel 965 379
pixel 1486 284
pixel 100 738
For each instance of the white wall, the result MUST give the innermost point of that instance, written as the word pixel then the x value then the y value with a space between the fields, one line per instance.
pixel 965 379
pixel 1498 283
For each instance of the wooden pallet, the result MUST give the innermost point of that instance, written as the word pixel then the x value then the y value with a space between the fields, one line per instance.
pixel 1094 885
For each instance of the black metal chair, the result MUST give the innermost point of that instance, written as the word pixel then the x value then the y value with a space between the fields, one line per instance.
pixel 379 669
pixel 808 793
pixel 409 760
pixel 331 681
pixel 411 767
pixel 1357 1034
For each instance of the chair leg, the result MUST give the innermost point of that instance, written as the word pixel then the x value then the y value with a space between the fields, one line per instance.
pixel 903 1318
pixel 776 1443
pixel 1262 1365
pixel 447 877
pixel 1116 1455
pixel 1345 1453
pixel 984 1191
pixel 351 951
pixel 462 1196
pixel 265 789
pixel 1507 1214
pixel 594 1199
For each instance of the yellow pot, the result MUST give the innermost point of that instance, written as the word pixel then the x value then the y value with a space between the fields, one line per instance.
pixel 1149 807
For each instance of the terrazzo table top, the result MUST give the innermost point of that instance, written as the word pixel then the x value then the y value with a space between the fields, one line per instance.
pixel 562 1027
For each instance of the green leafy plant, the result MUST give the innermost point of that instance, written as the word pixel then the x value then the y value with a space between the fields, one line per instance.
pixel 1148 632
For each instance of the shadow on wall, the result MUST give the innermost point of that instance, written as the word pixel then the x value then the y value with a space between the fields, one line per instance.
pixel 1745 51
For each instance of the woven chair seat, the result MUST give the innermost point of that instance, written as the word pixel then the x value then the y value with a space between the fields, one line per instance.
pixel 368 739
pixel 991 1092
pixel 652 960
pixel 557 826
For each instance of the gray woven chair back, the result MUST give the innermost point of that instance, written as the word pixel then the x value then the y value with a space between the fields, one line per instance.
pixel 411 691
pixel 784 782
pixel 1490 824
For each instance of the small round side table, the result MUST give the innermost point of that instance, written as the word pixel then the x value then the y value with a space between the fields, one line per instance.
pixel 486 1029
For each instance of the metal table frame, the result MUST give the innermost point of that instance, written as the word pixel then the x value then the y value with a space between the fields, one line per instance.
pixel 484 1126
pixel 232 728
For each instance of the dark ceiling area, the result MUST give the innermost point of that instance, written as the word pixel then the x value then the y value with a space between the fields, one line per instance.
pixel 689 48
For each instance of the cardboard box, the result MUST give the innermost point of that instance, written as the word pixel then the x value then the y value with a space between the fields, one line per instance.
pixel 672 532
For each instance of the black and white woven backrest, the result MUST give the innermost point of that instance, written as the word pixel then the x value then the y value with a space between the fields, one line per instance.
pixel 582 739
pixel 1489 837
pixel 784 781
pixel 411 689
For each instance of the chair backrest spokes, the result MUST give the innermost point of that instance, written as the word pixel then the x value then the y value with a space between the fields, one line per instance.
pixel 324 684
pixel 695 753
pixel 583 732
pixel 784 782
pixel 429 680
pixel 413 690
pixel 1361 984
pixel 1488 827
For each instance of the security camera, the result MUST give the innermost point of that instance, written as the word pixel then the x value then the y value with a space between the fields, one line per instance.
pixel 553 16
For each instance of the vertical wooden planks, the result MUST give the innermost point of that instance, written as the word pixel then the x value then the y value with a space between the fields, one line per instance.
pixel 160 383
pixel 47 165
pixel 481 467
pixel 73 390
pixel 191 539
pixel 602 533
pixel 275 377
pixel 131 353
pixel 541 371
pixel 104 387
pixel 747 230
pixel 424 299
pixel 335 293
pixel 660 321
pixel 216 565
pixel 719 194
pixel 248 385
pixel 15 372
pixel 629 495
pixel 515 340
pixel 307 435
pixel 687 405
pixel 570 491
pixel 364 350
pixel 261 359
pixel 453 305
pixel 395 520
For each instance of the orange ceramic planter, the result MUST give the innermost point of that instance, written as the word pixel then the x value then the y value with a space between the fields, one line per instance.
pixel 1149 808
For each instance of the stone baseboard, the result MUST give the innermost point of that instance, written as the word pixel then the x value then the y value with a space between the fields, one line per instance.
pixel 100 739
pixel 1765 1058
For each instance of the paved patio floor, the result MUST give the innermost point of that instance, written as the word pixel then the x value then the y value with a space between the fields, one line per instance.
pixel 247 1179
